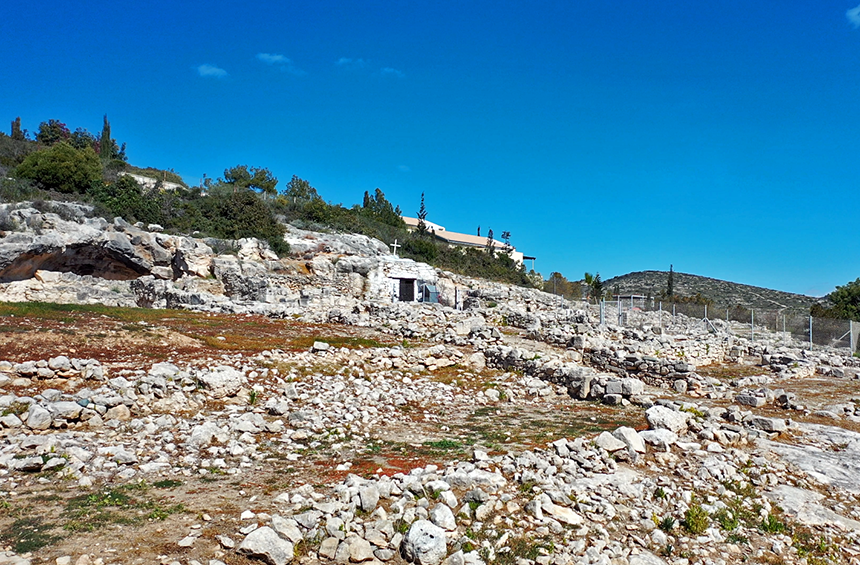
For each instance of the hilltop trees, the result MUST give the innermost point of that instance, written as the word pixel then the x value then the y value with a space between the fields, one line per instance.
pixel 375 206
pixel 845 303
pixel 594 286
pixel 300 191
pixel 422 215
pixel 17 133
pixel 256 178
pixel 61 167
pixel 52 131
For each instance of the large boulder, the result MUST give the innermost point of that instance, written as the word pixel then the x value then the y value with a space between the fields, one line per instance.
pixel 264 543
pixel 660 417
pixel 424 544
pixel 222 381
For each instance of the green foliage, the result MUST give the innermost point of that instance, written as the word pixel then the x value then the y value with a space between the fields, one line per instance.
pixel 61 167
pixel 844 303
pixel 727 519
pixel 422 215
pixel 107 147
pixel 375 206
pixel 772 525
pixel 17 133
pixel 52 131
pixel 28 534
pixel 13 151
pixel 241 214
pixel 667 524
pixel 81 138
pixel 16 190
pixel 696 519
pixel 422 250
pixel 256 178
pixel 595 286
pixel 126 199
pixel 300 192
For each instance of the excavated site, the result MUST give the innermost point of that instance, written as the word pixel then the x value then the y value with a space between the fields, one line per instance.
pixel 173 400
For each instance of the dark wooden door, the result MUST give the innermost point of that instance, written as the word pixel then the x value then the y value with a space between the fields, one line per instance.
pixel 407 290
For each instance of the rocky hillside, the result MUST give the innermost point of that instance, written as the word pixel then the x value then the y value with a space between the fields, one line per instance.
pixel 272 410
pixel 723 293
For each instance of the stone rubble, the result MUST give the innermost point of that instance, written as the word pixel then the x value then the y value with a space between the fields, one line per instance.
pixel 706 474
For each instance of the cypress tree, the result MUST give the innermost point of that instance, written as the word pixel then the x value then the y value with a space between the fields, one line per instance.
pixel 17 132
pixel 670 283
pixel 105 146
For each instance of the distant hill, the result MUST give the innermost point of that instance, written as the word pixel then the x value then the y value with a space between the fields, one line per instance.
pixel 723 293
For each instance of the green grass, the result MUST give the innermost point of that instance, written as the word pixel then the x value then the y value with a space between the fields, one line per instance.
pixel 29 533
pixel 772 525
pixel 89 512
pixel 444 444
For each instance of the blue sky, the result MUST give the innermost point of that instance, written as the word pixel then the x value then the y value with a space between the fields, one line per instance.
pixel 720 137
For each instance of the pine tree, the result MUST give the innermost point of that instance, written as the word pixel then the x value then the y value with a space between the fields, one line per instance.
pixel 422 215
pixel 490 245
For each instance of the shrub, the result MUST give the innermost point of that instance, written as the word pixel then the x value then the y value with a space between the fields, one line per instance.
pixel 696 519
pixel 63 168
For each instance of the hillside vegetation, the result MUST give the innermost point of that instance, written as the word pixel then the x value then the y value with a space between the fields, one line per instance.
pixel 57 163
pixel 720 293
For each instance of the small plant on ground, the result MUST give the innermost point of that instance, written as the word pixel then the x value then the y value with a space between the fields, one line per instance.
pixel 696 519
pixel 727 520
pixel 772 525
pixel 667 524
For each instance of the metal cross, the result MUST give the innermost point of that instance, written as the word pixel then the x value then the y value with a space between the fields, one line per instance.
pixel 395 246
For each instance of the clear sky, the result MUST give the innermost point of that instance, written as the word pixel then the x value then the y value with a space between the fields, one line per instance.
pixel 721 137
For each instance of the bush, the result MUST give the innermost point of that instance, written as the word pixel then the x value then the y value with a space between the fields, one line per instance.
pixel 242 214
pixel 126 199
pixel 421 249
pixel 63 168
pixel 696 519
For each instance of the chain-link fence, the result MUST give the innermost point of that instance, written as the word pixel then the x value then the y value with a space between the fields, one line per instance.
pixel 790 327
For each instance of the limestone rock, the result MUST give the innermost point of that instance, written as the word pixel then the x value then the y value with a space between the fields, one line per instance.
pixel 264 543
pixel 424 543
pixel 660 417
pixel 631 439
pixel 222 381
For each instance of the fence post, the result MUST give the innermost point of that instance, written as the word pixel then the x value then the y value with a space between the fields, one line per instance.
pixel 783 329
pixel 706 311
pixel 661 317
pixel 752 325
pixel 602 313
pixel 810 333
pixel 619 310
pixel 851 335
pixel 673 312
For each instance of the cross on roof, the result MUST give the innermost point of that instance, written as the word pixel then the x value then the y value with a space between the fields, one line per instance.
pixel 395 246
